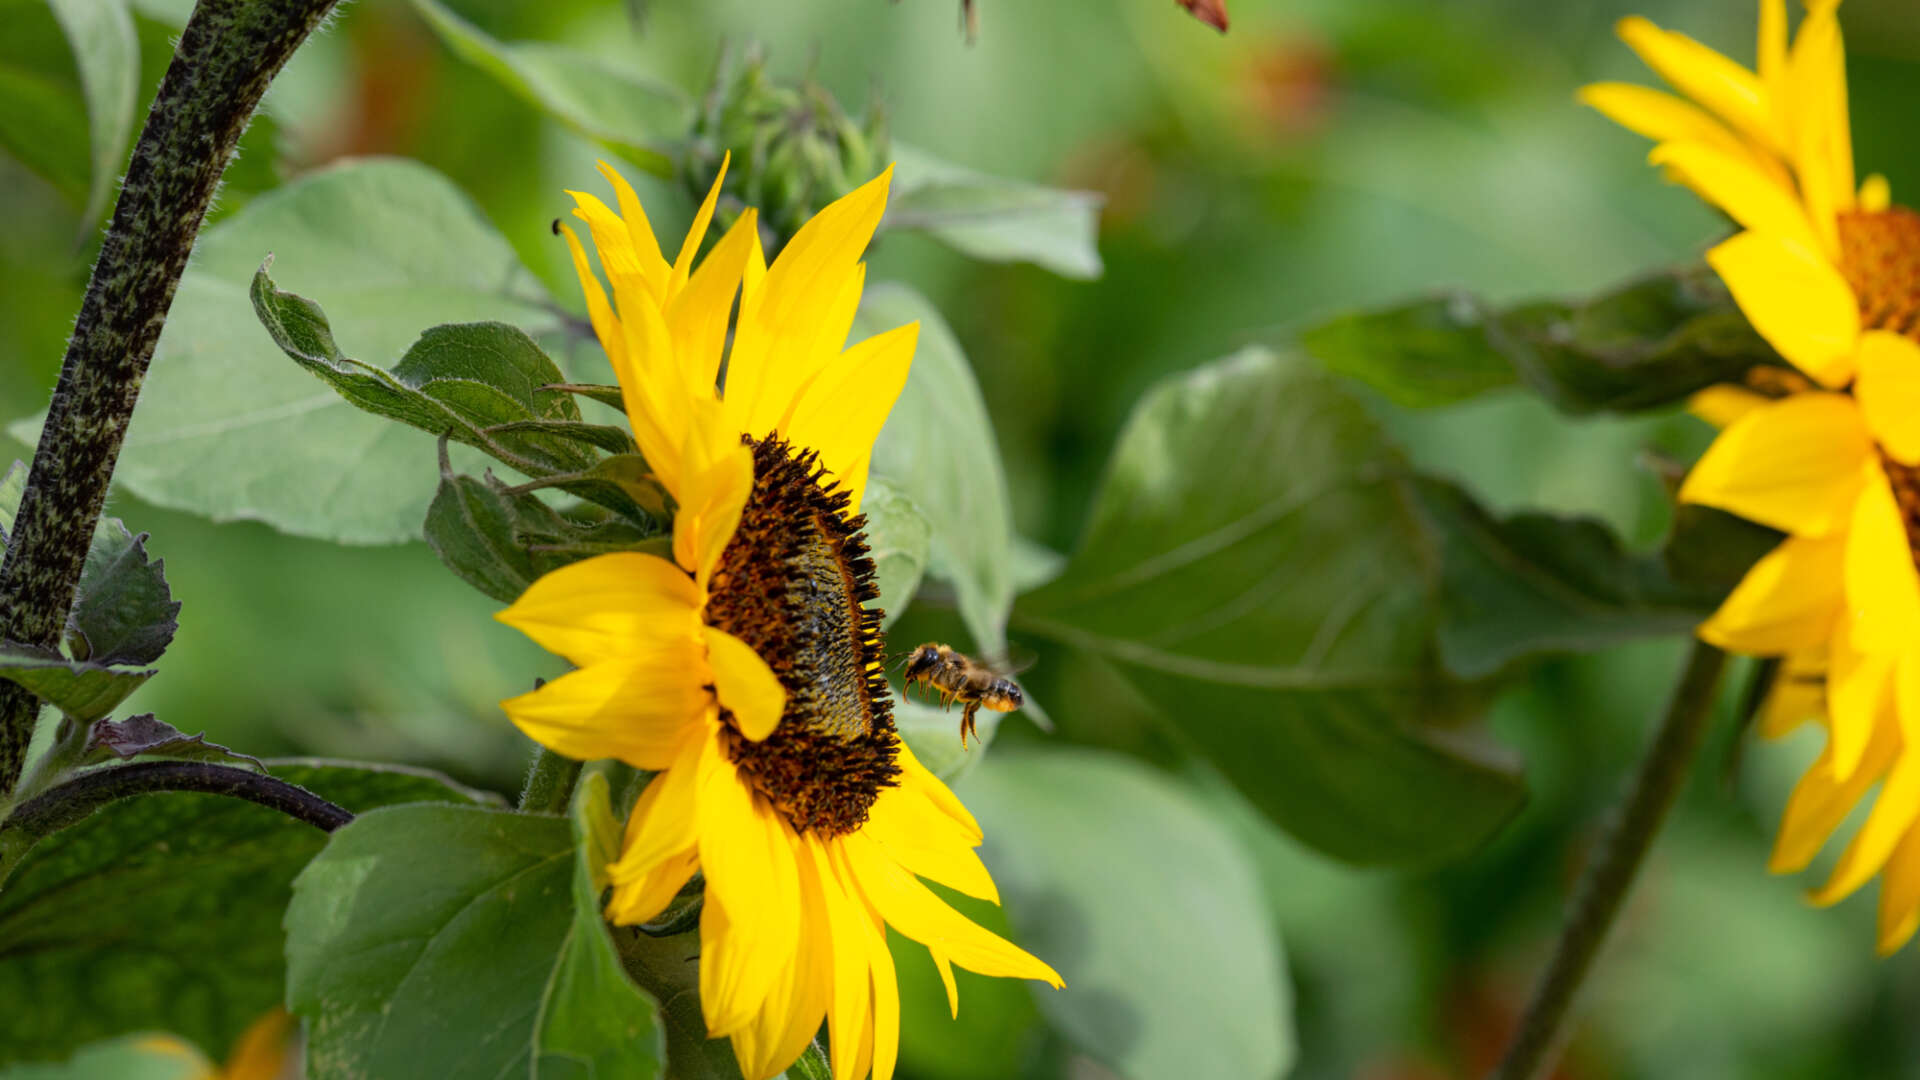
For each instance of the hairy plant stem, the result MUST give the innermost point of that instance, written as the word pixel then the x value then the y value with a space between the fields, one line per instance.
pixel 71 802
pixel 550 781
pixel 1616 861
pixel 228 53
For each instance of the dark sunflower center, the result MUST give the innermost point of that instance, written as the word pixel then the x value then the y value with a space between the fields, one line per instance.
pixel 1880 258
pixel 794 583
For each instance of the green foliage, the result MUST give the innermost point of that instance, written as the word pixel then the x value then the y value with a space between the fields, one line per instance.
pixel 1645 344
pixel 132 1057
pixel 1254 566
pixel 107 53
pixel 419 913
pixel 226 431
pixel 162 912
pixel 144 736
pixel 899 538
pixel 43 110
pixel 1122 883
pixel 1534 583
pixel 993 218
pixel 122 619
pixel 938 449
pixel 634 116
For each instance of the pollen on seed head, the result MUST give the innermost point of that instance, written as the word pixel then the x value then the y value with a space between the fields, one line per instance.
pixel 1880 258
pixel 794 583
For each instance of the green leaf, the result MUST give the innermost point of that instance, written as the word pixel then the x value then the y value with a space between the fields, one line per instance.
pixel 163 912
pixel 609 103
pixel 107 52
pixel 43 118
pixel 1536 583
pixel 482 384
pixel 1138 897
pixel 1254 566
pixel 993 218
pixel 898 536
pixel 1648 343
pixel 227 428
pixel 83 690
pixel 144 735
pixel 124 613
pixel 416 914
pixel 938 449
pixel 131 1057
pixel 1432 351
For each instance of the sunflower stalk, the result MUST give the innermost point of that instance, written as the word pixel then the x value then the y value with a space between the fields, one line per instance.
pixel 1616 862
pixel 228 53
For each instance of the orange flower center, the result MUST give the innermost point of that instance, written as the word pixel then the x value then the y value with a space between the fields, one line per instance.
pixel 1880 258
pixel 794 583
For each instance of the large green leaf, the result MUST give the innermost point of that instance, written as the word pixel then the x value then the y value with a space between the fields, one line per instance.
pixel 1255 566
pixel 898 536
pixel 107 52
pixel 1138 897
pixel 227 427
pixel 43 115
pixel 609 103
pixel 938 449
pixel 414 915
pixel 993 218
pixel 1535 583
pixel 1641 345
pixel 163 912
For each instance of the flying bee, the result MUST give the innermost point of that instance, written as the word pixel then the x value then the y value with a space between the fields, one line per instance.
pixel 959 677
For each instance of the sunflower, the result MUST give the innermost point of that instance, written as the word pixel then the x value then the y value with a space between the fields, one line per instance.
pixel 748 670
pixel 1826 453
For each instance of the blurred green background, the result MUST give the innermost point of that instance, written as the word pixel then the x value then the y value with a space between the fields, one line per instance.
pixel 1325 154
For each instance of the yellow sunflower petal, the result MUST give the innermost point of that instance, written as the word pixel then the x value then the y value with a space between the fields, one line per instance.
pixel 915 911
pixel 1907 696
pixel 792 303
pixel 1794 465
pixel 945 967
pixel 1723 403
pixel 1823 143
pixel 1899 912
pixel 1859 689
pixel 710 512
pixel 922 838
pixel 1795 299
pixel 646 896
pixel 698 315
pixel 1883 592
pixel 665 822
pixel 1821 801
pixel 636 710
pixel 599 312
pixel 915 775
pixel 745 684
pixel 1656 114
pixel 747 853
pixel 1875 194
pixel 1894 812
pixel 1788 600
pixel 261 1051
pixel 850 1010
pixel 886 1002
pixel 697 232
pixel 1747 195
pixel 1888 388
pixel 640 238
pixel 608 607
pixel 1770 57
pixel 841 413
pixel 1799 694
pixel 1726 88
pixel 812 971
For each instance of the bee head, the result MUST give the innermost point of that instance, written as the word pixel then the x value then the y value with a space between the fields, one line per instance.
pixel 922 660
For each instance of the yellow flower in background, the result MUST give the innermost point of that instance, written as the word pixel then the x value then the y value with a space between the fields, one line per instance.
pixel 262 1052
pixel 748 670
pixel 1830 276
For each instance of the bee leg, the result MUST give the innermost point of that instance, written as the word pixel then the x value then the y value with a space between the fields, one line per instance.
pixel 966 723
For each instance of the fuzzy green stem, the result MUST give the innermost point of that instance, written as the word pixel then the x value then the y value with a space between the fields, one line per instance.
pixel 1616 861
pixel 228 53
pixel 550 781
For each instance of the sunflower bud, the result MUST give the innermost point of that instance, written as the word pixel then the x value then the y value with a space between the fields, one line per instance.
pixel 794 149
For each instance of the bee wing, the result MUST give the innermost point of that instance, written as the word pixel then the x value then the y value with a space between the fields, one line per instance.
pixel 1010 661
